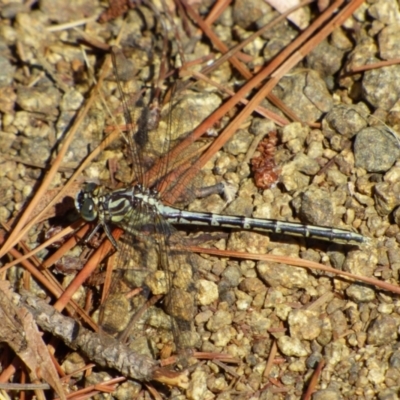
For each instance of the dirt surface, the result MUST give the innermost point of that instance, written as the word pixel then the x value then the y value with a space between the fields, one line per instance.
pixel 330 158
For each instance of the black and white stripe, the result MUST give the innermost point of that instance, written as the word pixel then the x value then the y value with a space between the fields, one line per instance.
pixel 176 216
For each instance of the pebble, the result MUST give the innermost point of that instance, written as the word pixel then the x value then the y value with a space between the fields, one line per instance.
pixel 7 71
pixel 259 321
pixel 294 131
pixel 261 126
pixel 363 53
pixel 339 323
pixel 361 263
pixel 12 9
pixel 232 275
pixel 5 214
pixel 313 360
pixel 274 275
pixel 315 149
pixel 252 286
pixel 304 324
pixel 222 336
pixel 380 86
pixel 385 308
pixel 340 39
pixel 73 362
pixel 327 394
pixel 305 164
pixel 157 318
pixel 298 365
pixel 336 178
pixel 282 311
pixel 116 314
pixel 389 47
pixel 157 282
pixel 240 143
pixel 394 360
pixel 243 300
pixel 291 347
pixel 248 241
pixel 30 29
pixel 388 394
pixel 203 317
pixel 219 385
pixel 393 175
pixel 96 378
pixel 360 293
pixel 347 120
pixel 246 13
pixel 220 319
pixel 127 390
pixel 325 59
pixel 35 149
pixel 375 150
pixel 293 179
pixel 207 292
pixel 364 199
pixel 71 101
pixel 386 11
pixel 225 163
pixel 30 126
pixel 316 207
pixel 383 330
pixel 60 11
pixel 39 99
pixel 376 374
pixel 274 297
pixel 387 197
pixel 306 94
pixel 241 206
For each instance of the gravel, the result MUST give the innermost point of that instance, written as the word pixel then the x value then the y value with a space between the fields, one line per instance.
pixel 339 167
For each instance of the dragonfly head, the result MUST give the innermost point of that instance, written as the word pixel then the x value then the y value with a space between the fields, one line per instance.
pixel 85 204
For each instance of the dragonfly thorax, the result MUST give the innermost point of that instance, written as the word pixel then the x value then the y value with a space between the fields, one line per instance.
pixel 114 205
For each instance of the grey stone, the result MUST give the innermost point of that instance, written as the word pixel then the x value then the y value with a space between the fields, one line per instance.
pixel 316 207
pixel 375 150
pixel 389 47
pixel 7 71
pixel 306 94
pixel 247 12
pixel 381 87
pixel 345 119
pixel 325 58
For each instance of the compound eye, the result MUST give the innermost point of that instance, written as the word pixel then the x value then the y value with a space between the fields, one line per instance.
pixel 90 187
pixel 87 210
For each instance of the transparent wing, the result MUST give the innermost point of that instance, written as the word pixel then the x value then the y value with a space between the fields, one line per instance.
pixel 152 293
pixel 135 130
pixel 152 130
pixel 179 266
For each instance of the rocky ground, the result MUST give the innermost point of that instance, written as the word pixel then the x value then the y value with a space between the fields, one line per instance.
pixel 332 162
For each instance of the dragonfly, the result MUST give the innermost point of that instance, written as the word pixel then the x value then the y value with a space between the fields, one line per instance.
pixel 149 224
